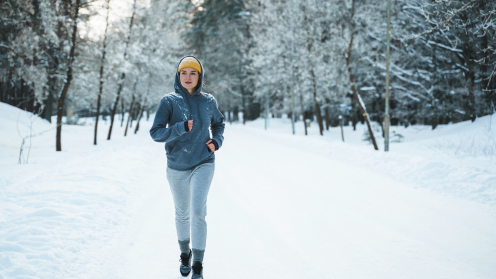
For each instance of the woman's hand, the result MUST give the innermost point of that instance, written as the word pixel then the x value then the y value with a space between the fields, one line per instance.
pixel 210 145
pixel 190 124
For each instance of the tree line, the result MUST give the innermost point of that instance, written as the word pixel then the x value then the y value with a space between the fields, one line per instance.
pixel 307 59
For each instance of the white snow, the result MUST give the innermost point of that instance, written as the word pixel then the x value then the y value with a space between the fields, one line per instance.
pixel 280 206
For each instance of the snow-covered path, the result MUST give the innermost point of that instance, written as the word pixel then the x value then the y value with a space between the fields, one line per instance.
pixel 276 209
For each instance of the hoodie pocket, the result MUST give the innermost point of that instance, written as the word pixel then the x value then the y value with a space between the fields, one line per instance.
pixel 169 148
pixel 181 149
pixel 188 153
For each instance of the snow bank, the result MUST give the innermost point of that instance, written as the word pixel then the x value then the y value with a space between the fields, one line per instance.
pixel 105 211
pixel 61 207
pixel 455 159
pixel 13 118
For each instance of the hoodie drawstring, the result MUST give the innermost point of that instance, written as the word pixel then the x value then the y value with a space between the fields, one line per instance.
pixel 197 110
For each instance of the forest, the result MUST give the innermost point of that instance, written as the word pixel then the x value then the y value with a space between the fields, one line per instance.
pixel 312 61
pixel 300 176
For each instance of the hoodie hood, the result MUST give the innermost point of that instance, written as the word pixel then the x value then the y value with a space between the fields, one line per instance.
pixel 177 82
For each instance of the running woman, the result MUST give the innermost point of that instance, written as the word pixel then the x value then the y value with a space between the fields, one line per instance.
pixel 182 121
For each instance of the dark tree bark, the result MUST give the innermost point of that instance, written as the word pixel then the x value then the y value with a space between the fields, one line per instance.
pixel 122 77
pixel 132 112
pixel 135 114
pixel 245 110
pixel 139 117
pixel 30 98
pixel 357 96
pixel 52 79
pixel 67 83
pixel 129 116
pixel 470 78
pixel 303 113
pixel 98 102
pixel 9 92
pixel 484 67
pixel 2 84
pixel 235 114
pixel 122 112
pixel 317 106
pixel 485 84
pixel 47 109
pixel 23 98
pixel 354 116
pixel 327 118
pixel 434 121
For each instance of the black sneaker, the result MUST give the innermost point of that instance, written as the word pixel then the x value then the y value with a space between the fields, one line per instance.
pixel 197 270
pixel 185 267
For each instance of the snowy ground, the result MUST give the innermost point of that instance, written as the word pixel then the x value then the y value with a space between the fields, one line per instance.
pixel 280 206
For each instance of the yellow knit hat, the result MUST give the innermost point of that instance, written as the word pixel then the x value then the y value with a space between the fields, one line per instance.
pixel 189 62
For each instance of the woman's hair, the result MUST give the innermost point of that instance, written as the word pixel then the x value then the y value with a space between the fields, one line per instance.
pixel 198 85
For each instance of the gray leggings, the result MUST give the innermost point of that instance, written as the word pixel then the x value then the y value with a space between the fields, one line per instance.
pixel 189 191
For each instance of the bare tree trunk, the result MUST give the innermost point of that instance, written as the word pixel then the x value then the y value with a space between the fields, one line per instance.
pixel 140 113
pixel 8 98
pixel 139 117
pixel 22 98
pixel 486 73
pixel 1 90
pixel 357 96
pixel 122 112
pixel 123 75
pixel 327 117
pixel 470 77
pixel 98 102
pixel 303 113
pixel 135 114
pixel 32 98
pixel 230 118
pixel 317 106
pixel 236 114
pixel 52 82
pixel 129 115
pixel 132 112
pixel 244 109
pixel 354 119
pixel 242 91
pixel 434 121
pixel 68 80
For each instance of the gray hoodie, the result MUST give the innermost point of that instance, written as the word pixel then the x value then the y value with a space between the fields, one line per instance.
pixel 187 149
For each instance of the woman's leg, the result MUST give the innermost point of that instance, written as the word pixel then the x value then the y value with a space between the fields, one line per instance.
pixel 201 178
pixel 179 182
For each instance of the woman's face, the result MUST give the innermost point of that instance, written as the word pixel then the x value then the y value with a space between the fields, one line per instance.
pixel 189 79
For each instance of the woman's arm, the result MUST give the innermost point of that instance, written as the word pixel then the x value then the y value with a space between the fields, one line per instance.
pixel 159 131
pixel 217 126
